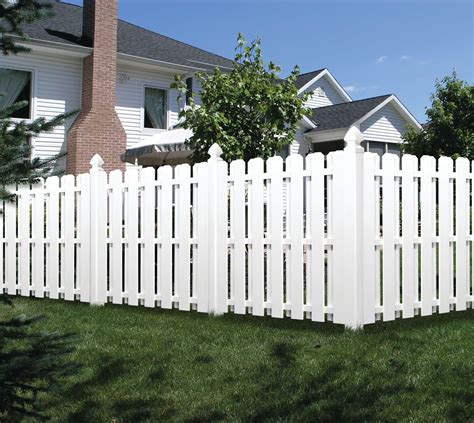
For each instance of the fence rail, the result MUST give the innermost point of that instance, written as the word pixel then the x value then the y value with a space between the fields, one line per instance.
pixel 347 237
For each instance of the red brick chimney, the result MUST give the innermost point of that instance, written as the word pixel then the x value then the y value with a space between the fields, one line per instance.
pixel 97 129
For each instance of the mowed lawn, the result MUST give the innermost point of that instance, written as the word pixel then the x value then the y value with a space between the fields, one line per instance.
pixel 154 365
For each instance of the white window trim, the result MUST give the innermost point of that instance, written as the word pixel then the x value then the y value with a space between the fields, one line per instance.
pixel 142 109
pixel 33 96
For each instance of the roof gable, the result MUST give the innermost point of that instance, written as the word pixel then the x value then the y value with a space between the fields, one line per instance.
pixel 345 115
pixel 307 80
pixel 304 78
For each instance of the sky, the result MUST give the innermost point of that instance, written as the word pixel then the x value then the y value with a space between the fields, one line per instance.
pixel 372 47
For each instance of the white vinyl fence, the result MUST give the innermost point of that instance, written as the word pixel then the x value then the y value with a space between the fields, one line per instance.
pixel 347 237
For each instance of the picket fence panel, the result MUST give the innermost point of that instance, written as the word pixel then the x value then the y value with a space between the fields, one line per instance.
pixel 347 237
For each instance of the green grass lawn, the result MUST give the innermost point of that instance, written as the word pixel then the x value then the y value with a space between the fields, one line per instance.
pixel 153 365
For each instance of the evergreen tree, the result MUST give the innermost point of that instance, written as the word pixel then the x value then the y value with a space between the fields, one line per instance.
pixel 32 361
pixel 13 14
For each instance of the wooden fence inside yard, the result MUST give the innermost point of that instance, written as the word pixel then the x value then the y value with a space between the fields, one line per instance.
pixel 347 237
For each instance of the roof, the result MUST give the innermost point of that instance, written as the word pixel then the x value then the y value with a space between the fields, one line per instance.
pixel 65 26
pixel 343 115
pixel 304 78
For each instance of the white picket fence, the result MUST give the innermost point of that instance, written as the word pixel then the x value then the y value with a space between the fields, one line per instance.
pixel 347 237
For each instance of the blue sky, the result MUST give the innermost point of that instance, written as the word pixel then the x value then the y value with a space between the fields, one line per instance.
pixel 372 47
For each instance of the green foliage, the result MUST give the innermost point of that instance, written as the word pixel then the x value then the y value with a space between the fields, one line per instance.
pixel 450 128
pixel 249 111
pixel 32 361
pixel 16 167
pixel 13 16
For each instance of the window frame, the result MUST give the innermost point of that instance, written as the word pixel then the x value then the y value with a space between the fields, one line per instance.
pixel 142 108
pixel 33 85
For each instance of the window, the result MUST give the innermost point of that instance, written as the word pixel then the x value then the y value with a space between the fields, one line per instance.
pixel 155 108
pixel 15 86
pixel 189 89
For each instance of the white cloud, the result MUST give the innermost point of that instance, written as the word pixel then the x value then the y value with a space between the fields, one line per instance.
pixel 380 60
pixel 423 62
pixel 354 88
pixel 404 58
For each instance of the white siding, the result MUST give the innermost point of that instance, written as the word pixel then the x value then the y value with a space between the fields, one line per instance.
pixel 130 100
pixel 57 83
pixel 323 94
pixel 299 145
pixel 386 125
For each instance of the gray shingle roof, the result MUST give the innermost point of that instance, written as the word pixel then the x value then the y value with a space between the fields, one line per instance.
pixel 304 78
pixel 343 115
pixel 66 27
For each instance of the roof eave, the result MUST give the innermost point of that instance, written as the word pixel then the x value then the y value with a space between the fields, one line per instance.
pixel 38 44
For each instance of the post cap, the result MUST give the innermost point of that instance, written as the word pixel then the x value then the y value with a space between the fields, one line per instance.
pixel 97 162
pixel 353 138
pixel 215 152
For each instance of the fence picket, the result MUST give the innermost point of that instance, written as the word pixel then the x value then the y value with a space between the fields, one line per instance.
pixel 238 263
pixel 24 240
pixel 84 233
pixel 131 231
pixel 295 279
pixel 315 224
pixel 165 265
pixel 116 221
pixel 67 235
pixel 11 242
pixel 369 268
pixel 52 277
pixel 275 230
pixel 390 286
pixel 183 228
pixel 256 264
pixel 37 276
pixel 409 229
pixel 202 281
pixel 445 220
pixel 462 207
pixel 147 178
pixel 427 233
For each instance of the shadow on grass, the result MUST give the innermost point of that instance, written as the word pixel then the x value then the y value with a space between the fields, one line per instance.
pixel 91 408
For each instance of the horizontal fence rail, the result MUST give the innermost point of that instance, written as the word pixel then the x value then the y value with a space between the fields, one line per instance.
pixel 347 237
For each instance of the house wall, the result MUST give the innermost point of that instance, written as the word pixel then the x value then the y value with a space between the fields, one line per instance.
pixel 130 99
pixel 56 89
pixel 386 125
pixel 327 97
pixel 299 145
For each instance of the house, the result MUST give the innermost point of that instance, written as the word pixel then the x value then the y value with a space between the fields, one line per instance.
pixel 118 75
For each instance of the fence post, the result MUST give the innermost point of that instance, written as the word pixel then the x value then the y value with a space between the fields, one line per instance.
pixel 217 250
pixel 98 232
pixel 348 239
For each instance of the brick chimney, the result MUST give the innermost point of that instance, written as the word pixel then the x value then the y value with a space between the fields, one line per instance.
pixel 97 129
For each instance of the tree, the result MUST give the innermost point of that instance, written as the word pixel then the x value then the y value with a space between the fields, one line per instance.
pixel 32 361
pixel 450 127
pixel 249 111
pixel 12 16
